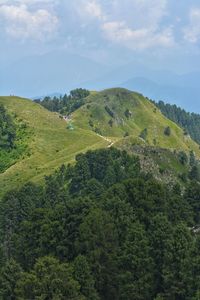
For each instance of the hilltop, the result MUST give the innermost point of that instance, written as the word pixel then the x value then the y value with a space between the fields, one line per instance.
pixel 114 117
pixel 120 114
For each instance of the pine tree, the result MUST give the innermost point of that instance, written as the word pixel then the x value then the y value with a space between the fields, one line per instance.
pixel 49 279
pixel 9 275
pixel 83 275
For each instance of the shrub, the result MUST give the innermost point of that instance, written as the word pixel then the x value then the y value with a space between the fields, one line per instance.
pixel 144 134
pixel 109 111
pixel 167 131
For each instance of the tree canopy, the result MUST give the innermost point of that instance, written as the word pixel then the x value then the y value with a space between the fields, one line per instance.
pixel 100 229
pixel 65 104
pixel 190 122
pixel 7 129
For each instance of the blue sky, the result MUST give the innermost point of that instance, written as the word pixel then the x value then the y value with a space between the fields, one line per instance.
pixel 160 32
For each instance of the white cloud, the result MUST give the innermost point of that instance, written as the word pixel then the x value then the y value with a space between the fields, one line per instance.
pixel 22 23
pixel 143 38
pixel 94 9
pixel 140 13
pixel 89 10
pixel 13 2
pixel 135 24
pixel 192 31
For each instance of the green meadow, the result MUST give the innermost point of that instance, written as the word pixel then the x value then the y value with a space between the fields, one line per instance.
pixel 49 143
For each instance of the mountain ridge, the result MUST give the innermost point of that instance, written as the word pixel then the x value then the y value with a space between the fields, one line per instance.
pixel 108 118
pixel 144 114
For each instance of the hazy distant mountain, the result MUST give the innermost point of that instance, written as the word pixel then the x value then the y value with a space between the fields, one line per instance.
pixel 185 96
pixel 60 71
pixel 183 90
pixel 49 73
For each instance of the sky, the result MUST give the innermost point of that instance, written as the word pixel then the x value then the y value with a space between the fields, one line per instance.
pixel 109 31
pixel 161 35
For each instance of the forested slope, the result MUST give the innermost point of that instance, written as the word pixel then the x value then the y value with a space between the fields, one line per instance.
pixel 189 121
pixel 100 230
pixel 107 226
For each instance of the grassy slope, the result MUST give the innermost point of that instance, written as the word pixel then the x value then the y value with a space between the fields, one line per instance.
pixel 144 115
pixel 50 143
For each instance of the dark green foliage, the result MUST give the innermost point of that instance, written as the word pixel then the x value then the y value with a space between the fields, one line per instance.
pixel 167 131
pixel 160 230
pixel 136 265
pixel 177 270
pixel 93 188
pixel 126 134
pixel 97 130
pixel 49 279
pixel 185 132
pixel 16 207
pixel 7 130
pixel 107 166
pixel 179 209
pixel 109 111
pixel 65 104
pixel 98 241
pixel 143 135
pixel 9 276
pixel 91 123
pixel 192 196
pixel 83 275
pixel 128 113
pixel 195 173
pixel 100 229
pixel 79 93
pixel 183 158
pixel 110 122
pixel 12 135
pixel 189 121
pixel 192 159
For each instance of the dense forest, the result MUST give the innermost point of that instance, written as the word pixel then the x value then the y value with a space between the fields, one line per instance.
pixel 189 121
pixel 100 229
pixel 65 104
pixel 13 137
pixel 7 130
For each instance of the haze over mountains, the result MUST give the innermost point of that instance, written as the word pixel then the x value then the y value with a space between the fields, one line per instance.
pixel 49 73
pixel 61 71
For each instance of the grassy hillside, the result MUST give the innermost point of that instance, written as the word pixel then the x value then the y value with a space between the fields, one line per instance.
pixel 116 113
pixel 50 143
pixel 104 120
